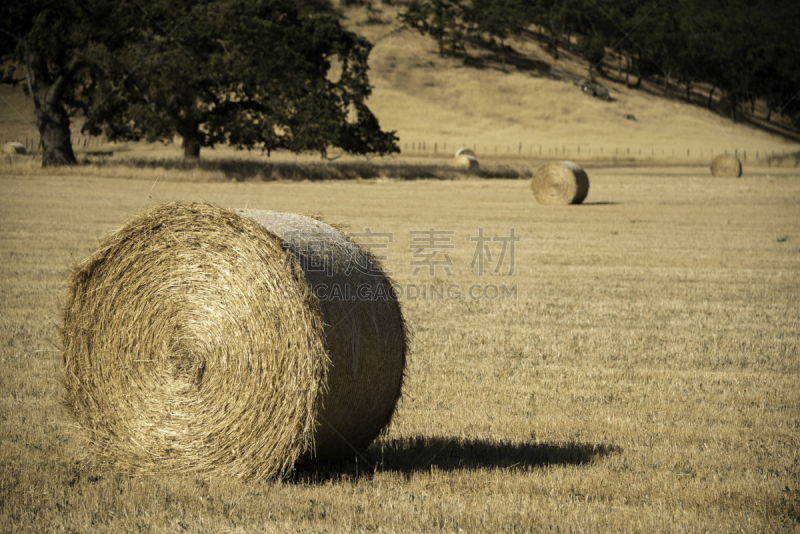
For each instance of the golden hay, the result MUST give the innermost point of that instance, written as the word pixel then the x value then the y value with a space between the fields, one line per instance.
pixel 192 342
pixel 14 148
pixel 466 162
pixel 726 166
pixel 560 183
pixel 464 151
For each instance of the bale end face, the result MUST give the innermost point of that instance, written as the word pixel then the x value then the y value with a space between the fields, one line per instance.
pixel 726 166
pixel 560 183
pixel 467 163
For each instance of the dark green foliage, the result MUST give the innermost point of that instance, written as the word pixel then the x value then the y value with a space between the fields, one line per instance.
pixel 249 73
pixel 47 44
pixel 497 20
pixel 446 21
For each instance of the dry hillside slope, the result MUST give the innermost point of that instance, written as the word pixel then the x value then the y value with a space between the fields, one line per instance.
pixel 433 100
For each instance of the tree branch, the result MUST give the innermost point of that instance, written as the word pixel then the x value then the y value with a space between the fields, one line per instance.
pixel 56 91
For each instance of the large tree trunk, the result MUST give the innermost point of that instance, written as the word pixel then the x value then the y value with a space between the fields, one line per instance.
pixel 191 148
pixel 190 132
pixel 51 117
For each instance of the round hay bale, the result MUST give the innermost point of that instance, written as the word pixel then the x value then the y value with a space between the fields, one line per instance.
pixel 14 148
pixel 466 162
pixel 199 339
pixel 726 166
pixel 560 183
pixel 464 151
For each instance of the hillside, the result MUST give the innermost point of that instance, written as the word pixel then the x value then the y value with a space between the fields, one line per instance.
pixel 434 100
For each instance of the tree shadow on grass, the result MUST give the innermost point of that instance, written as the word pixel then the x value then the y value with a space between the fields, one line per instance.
pixel 243 170
pixel 410 456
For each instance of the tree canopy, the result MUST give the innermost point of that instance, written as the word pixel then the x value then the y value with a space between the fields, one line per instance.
pixel 263 74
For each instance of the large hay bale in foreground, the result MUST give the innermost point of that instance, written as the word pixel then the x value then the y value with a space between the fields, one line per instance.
pixel 14 148
pixel 726 166
pixel 561 182
pixel 198 339
pixel 466 162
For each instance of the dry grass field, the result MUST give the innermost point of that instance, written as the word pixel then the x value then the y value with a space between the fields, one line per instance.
pixel 641 376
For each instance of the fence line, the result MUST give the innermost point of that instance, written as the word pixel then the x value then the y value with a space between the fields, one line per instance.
pixel 534 150
pixel 692 154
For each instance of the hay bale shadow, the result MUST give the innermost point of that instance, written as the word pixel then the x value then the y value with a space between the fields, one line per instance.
pixel 410 456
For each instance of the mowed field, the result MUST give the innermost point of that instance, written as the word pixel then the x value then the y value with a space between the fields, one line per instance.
pixel 640 374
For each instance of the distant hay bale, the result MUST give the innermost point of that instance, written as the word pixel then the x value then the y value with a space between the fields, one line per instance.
pixel 726 166
pixel 560 183
pixel 14 148
pixel 199 339
pixel 464 151
pixel 466 162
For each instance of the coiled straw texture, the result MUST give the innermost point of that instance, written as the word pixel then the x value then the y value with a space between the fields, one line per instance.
pixel 192 342
pixel 726 166
pixel 560 183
